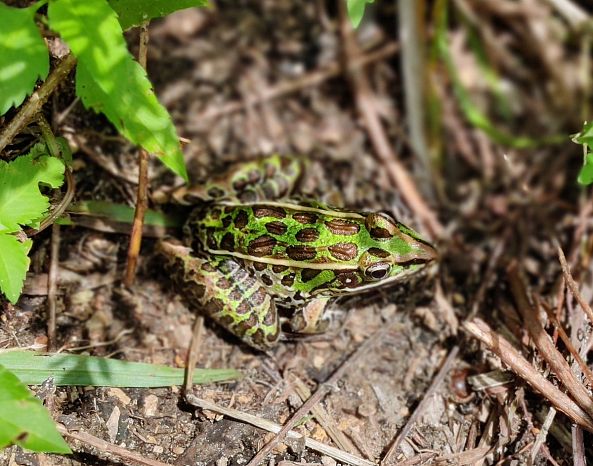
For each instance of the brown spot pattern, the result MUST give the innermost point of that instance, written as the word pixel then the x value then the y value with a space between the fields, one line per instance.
pixel 305 217
pixel 267 280
pixel 348 279
pixel 228 242
pixel 378 252
pixel 241 220
pixel 259 266
pixel 258 298
pixel 268 211
pixel 276 228
pixel 307 235
pixel 279 268
pixel 309 274
pixel 262 246
pixel 243 308
pixel 214 306
pixel 301 253
pixel 339 226
pixel 343 251
pixel 223 283
pixel 288 280
pixel 380 233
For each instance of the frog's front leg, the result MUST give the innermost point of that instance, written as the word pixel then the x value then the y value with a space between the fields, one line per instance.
pixel 311 319
pixel 227 293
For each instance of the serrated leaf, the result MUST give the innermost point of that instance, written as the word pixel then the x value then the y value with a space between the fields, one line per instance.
pixel 135 12
pixel 356 10
pixel 23 55
pixel 110 81
pixel 21 202
pixel 23 419
pixel 14 264
pixel 73 369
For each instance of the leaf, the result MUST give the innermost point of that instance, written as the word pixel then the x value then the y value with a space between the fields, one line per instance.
pixel 586 173
pixel 14 264
pixel 135 12
pixel 356 10
pixel 110 81
pixel 21 202
pixel 72 369
pixel 124 213
pixel 23 55
pixel 23 419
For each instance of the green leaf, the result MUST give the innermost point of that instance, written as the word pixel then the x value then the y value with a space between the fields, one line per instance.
pixel 23 419
pixel 135 12
pixel 72 369
pixel 124 213
pixel 21 202
pixel 14 264
pixel 356 10
pixel 23 55
pixel 586 173
pixel 110 81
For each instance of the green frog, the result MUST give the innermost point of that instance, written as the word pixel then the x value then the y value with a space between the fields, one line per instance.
pixel 251 247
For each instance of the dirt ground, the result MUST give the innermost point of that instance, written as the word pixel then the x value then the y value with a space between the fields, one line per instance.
pixel 259 77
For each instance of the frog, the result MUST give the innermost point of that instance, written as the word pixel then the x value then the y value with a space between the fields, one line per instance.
pixel 253 247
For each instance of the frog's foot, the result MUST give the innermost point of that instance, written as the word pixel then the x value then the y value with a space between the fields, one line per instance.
pixel 311 319
pixel 227 293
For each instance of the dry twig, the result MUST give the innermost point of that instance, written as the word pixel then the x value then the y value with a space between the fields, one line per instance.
pixel 521 366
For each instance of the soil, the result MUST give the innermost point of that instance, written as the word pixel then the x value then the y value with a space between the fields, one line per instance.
pixel 497 204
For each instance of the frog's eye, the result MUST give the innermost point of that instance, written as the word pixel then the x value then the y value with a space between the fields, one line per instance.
pixel 377 271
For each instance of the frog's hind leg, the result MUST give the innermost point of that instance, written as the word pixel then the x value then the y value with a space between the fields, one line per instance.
pixel 266 178
pixel 227 293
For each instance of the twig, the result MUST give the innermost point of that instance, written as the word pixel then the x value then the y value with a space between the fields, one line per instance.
pixel 276 428
pixel 142 193
pixel 192 354
pixel 571 349
pixel 542 434
pixel 36 101
pixel 324 419
pixel 52 280
pixel 321 391
pixel 288 87
pixel 398 174
pixel 109 448
pixel 520 366
pixel 434 386
pixel 572 285
pixel 578 447
pixel 544 343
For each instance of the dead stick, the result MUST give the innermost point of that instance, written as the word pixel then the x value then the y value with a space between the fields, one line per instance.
pixel 426 400
pixel 322 390
pixel 36 101
pixel 105 447
pixel 520 366
pixel 572 285
pixel 544 343
pixel 142 192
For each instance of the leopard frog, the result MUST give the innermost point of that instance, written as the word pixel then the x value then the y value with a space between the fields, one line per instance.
pixel 250 248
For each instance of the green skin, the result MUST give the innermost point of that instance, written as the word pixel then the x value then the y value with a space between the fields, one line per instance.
pixel 252 248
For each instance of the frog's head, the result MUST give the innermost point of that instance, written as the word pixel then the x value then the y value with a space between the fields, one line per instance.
pixel 393 251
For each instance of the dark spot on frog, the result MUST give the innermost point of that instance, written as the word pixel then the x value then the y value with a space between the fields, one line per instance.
pixel 380 233
pixel 215 192
pixel 236 295
pixel 288 280
pixel 279 268
pixel 343 251
pixel 239 185
pixel 223 283
pixel 267 280
pixel 268 211
pixel 226 221
pixel 305 217
pixel 228 242
pixel 377 252
pixel 206 267
pixel 259 296
pixel 241 220
pixel 301 253
pixel 348 278
pixel 276 228
pixel 254 176
pixel 214 306
pixel 309 274
pixel 339 226
pixel 262 246
pixel 271 316
pixel 259 266
pixel 243 308
pixel 307 235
